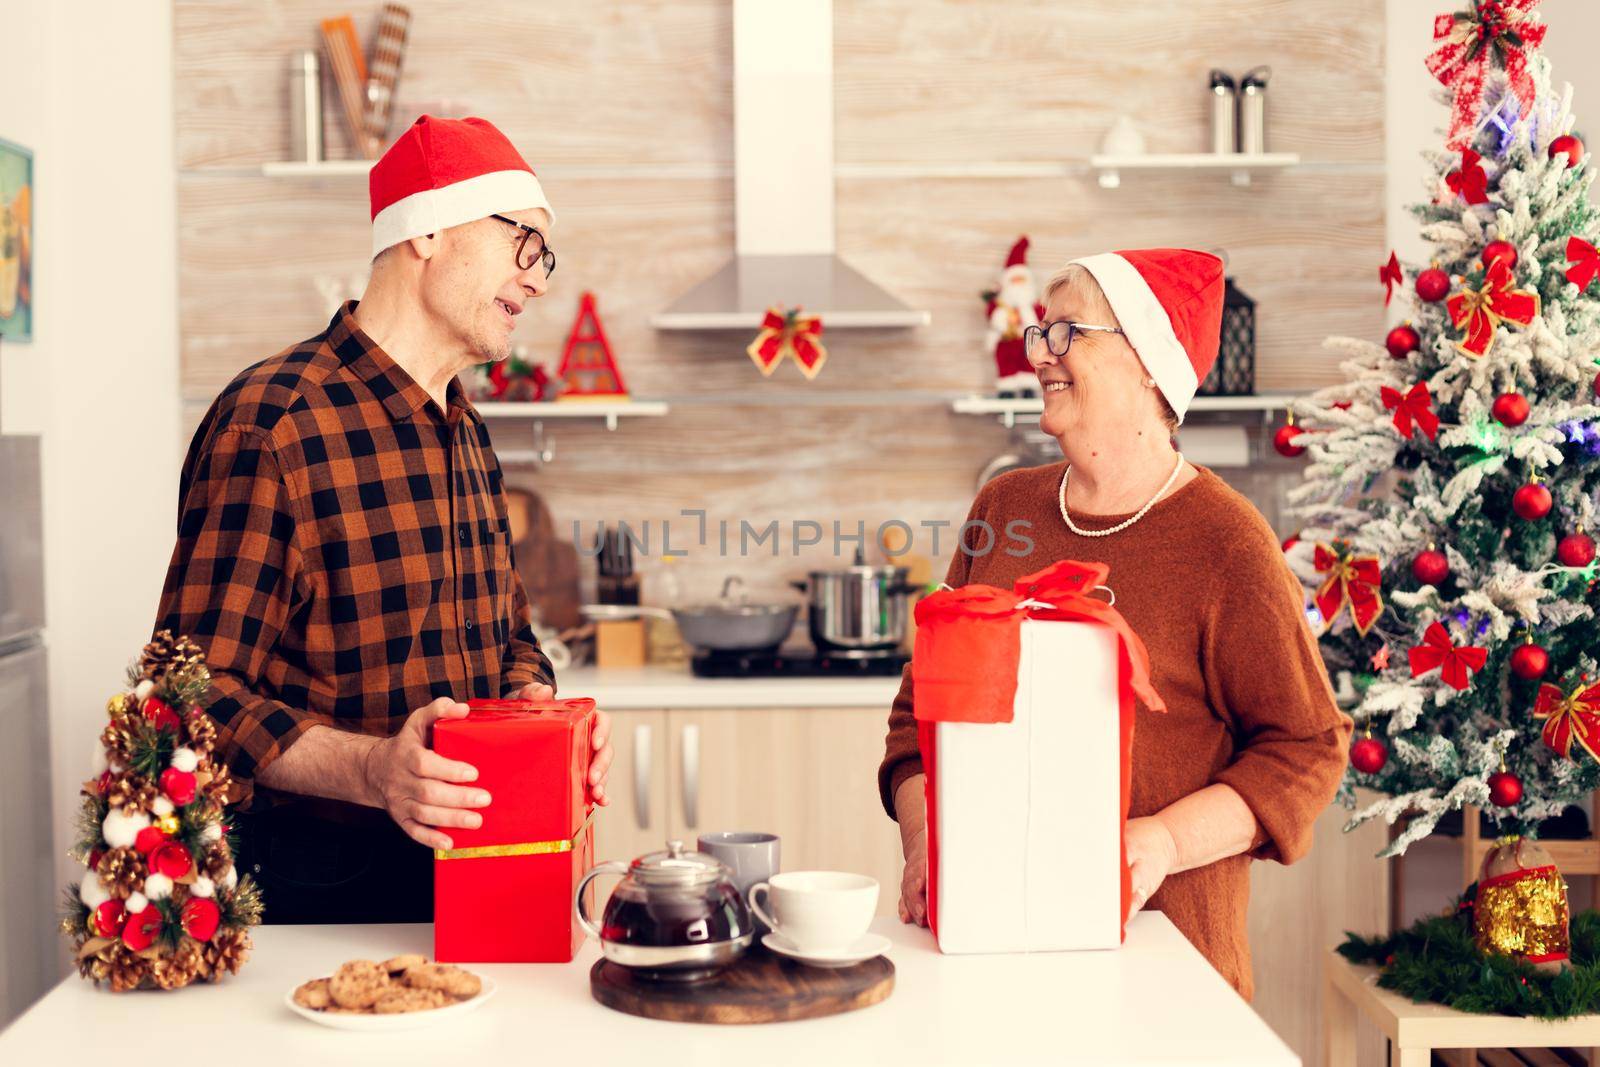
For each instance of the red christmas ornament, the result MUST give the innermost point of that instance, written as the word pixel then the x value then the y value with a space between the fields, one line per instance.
pixel 142 928
pixel 171 859
pixel 1499 250
pixel 1571 146
pixel 1505 789
pixel 1282 441
pixel 149 839
pixel 1594 386
pixel 109 918
pixel 1510 409
pixel 161 714
pixel 1431 566
pixel 1529 662
pixel 1402 341
pixel 1433 285
pixel 1368 755
pixel 1531 502
pixel 178 785
pixel 1290 541
pixel 1576 550
pixel 201 917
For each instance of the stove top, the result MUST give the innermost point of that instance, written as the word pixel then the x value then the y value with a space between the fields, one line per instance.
pixel 798 663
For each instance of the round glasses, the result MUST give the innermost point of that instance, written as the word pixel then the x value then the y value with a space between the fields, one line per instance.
pixel 531 248
pixel 1059 335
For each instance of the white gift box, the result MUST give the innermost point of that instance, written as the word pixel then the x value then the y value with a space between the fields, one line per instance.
pixel 1028 812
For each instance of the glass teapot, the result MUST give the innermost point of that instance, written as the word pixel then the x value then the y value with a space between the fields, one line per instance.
pixel 676 915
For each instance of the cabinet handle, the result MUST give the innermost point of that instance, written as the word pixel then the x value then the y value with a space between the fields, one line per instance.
pixel 641 775
pixel 691 776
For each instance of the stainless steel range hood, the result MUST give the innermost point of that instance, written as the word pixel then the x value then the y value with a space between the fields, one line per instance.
pixel 783 185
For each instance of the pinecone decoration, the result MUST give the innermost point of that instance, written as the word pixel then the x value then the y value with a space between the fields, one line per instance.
pixel 218 860
pixel 202 732
pixel 163 650
pixel 123 872
pixel 227 951
pixel 118 739
pixel 132 793
pixel 125 969
pixel 177 969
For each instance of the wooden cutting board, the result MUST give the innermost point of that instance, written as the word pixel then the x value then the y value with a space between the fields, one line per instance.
pixel 762 987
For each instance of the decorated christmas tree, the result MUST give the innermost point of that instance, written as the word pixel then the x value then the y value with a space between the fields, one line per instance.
pixel 1450 481
pixel 160 903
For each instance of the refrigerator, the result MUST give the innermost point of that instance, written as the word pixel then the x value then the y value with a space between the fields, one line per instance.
pixel 30 948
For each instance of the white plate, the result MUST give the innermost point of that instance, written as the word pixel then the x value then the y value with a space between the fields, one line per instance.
pixel 406 1020
pixel 867 947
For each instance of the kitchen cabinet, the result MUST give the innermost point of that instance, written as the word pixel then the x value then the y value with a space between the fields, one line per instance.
pixel 636 821
pixel 808 775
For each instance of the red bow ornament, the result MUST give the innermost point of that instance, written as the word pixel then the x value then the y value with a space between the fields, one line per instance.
pixel 1585 262
pixel 1454 663
pixel 1353 580
pixel 1414 407
pixel 1390 275
pixel 1503 32
pixel 1479 312
pixel 1471 183
pixel 789 333
pixel 1568 718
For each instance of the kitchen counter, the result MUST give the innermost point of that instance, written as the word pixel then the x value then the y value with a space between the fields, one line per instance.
pixel 674 687
pixel 1154 1002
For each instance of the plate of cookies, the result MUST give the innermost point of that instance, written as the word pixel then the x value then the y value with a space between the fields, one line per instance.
pixel 397 994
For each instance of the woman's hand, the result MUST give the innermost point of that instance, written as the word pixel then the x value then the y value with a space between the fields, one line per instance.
pixel 1152 854
pixel 914 881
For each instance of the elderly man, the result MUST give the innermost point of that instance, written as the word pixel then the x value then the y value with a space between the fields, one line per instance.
pixel 343 554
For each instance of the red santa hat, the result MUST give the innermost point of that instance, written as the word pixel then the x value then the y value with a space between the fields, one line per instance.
pixel 446 172
pixel 1169 302
pixel 1018 256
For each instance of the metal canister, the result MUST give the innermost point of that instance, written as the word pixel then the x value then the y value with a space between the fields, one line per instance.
pixel 305 107
pixel 1224 94
pixel 1253 111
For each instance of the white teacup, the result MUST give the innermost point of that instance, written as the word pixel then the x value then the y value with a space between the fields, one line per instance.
pixel 819 911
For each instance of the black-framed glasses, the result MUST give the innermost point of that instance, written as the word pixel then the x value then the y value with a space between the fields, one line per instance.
pixel 1059 335
pixel 531 248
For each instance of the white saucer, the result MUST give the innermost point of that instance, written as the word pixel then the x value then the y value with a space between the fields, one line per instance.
pixel 409 1020
pixel 865 948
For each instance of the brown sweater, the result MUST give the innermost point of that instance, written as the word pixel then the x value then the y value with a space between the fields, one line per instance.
pixel 1202 581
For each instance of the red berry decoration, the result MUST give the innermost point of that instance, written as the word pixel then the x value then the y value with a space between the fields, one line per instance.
pixel 1284 438
pixel 1576 550
pixel 1529 662
pixel 1510 409
pixel 172 860
pixel 161 714
pixel 201 917
pixel 179 785
pixel 1431 567
pixel 1402 341
pixel 1499 250
pixel 1505 789
pixel 1433 285
pixel 109 918
pixel 1571 146
pixel 1531 502
pixel 1368 755
pixel 149 839
pixel 142 928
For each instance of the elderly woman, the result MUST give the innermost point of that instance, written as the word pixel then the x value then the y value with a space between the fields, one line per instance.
pixel 1251 746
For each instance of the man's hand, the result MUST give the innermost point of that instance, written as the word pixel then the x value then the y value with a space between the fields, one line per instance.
pixel 1152 854
pixel 599 742
pixel 416 785
pixel 914 881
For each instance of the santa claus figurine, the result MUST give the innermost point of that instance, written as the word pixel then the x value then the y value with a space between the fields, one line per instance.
pixel 1012 309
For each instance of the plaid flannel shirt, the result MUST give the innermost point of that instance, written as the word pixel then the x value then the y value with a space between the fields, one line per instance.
pixel 343 552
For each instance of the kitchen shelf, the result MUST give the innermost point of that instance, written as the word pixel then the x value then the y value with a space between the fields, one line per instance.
pixel 1008 408
pixel 1110 168
pixel 610 410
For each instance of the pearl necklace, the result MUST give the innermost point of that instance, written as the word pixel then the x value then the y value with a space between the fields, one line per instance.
pixel 1125 523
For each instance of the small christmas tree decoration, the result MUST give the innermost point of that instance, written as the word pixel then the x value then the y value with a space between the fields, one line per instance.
pixel 1510 409
pixel 1505 788
pixel 1431 567
pixel 1402 341
pixel 1531 502
pixel 1499 252
pixel 143 916
pixel 1571 146
pixel 589 368
pixel 1529 661
pixel 1433 285
pixel 1520 909
pixel 1575 549
pixel 1283 439
pixel 1368 755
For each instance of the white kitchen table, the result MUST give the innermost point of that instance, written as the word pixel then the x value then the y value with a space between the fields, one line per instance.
pixel 1156 1001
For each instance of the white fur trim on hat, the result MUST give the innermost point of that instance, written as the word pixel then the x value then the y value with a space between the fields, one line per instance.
pixel 1147 326
pixel 432 210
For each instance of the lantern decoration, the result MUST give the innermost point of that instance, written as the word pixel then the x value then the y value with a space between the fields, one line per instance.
pixel 1234 372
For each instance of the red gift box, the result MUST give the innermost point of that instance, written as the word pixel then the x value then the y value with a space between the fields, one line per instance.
pixel 504 893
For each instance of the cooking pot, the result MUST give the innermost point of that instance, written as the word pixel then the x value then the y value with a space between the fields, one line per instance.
pixel 676 915
pixel 858 608
pixel 730 624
